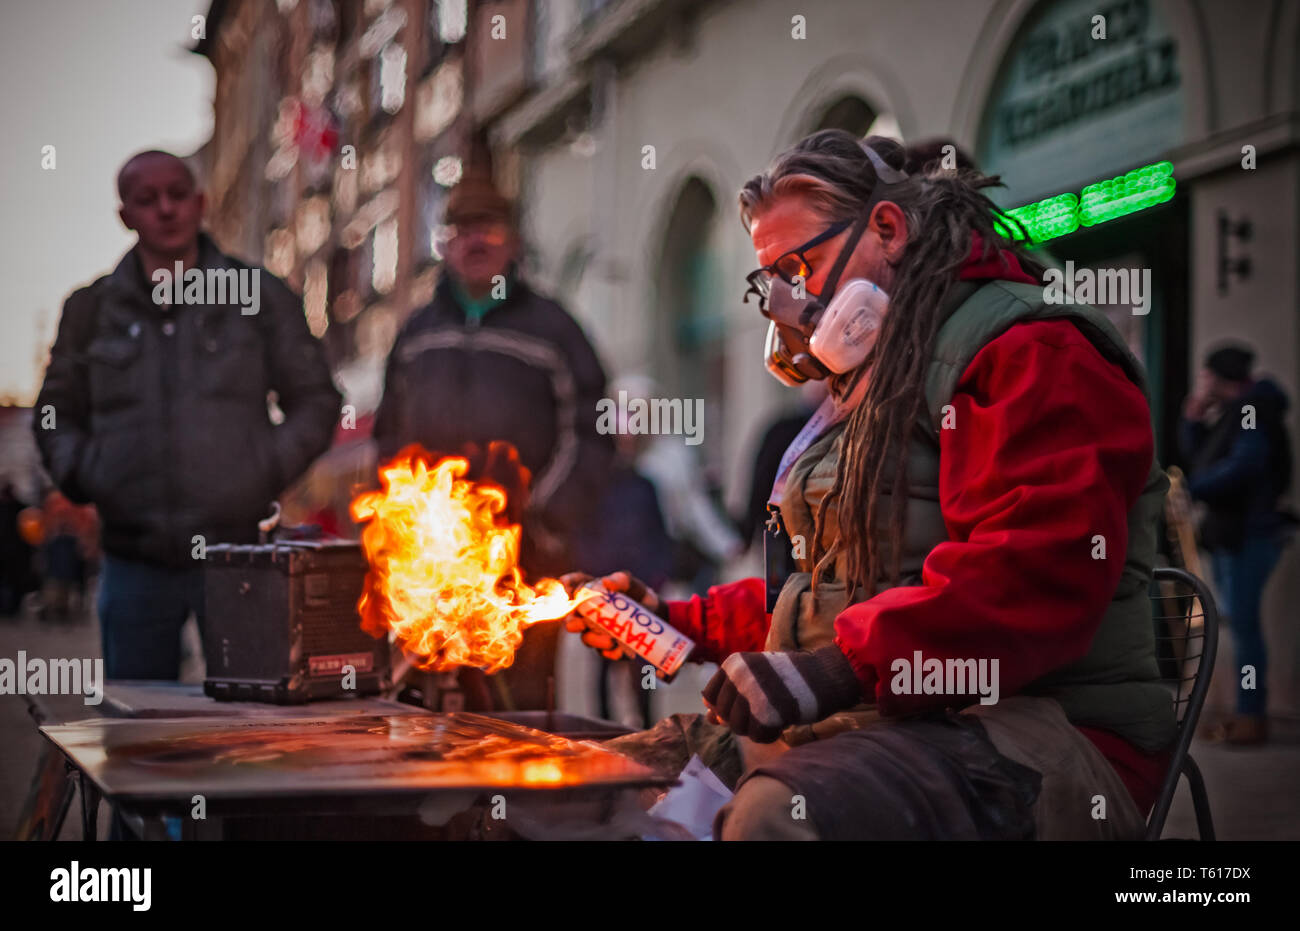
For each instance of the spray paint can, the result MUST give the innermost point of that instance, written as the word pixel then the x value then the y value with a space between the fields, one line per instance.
pixel 640 630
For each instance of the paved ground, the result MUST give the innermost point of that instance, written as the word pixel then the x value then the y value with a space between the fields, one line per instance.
pixel 1254 793
pixel 18 735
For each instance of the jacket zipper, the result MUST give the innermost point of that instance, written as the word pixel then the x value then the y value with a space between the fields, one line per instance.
pixel 166 376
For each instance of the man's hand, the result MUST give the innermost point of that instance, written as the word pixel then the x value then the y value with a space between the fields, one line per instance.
pixel 623 582
pixel 1198 404
pixel 761 694
pixel 1196 407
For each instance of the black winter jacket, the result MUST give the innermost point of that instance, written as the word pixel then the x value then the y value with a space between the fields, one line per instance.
pixel 1240 473
pixel 159 417
pixel 525 374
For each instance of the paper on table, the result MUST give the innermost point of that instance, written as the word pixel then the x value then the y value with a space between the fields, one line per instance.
pixel 694 802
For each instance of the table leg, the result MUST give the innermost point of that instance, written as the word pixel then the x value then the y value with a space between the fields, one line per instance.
pixel 49 797
pixel 89 808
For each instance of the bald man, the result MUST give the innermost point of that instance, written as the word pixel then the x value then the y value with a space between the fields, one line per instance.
pixel 154 409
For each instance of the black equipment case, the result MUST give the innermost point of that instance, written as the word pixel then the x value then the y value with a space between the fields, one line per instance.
pixel 281 623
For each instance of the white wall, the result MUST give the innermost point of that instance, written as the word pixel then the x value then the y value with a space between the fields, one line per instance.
pixel 744 91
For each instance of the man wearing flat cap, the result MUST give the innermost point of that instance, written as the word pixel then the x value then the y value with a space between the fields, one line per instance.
pixel 491 359
pixel 1239 463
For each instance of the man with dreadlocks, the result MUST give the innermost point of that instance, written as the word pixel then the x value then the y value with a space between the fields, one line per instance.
pixel 978 492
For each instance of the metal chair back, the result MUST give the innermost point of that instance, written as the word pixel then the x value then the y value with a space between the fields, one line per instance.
pixel 1187 619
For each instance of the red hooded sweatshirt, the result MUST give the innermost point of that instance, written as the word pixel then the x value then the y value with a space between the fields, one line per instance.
pixel 1055 447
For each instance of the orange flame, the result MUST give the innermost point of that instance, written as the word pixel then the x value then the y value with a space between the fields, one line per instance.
pixel 444 573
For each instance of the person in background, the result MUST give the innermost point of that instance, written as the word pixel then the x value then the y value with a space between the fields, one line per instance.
pixel 767 461
pixel 17 576
pixel 625 532
pixel 160 414
pixel 1234 439
pixel 704 539
pixel 63 563
pixel 492 361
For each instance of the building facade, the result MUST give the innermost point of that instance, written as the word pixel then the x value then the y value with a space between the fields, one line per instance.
pixel 339 126
pixel 338 129
pixel 645 118
pixel 1164 138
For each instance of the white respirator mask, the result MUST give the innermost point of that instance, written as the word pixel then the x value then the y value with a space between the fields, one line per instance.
pixel 843 333
pixel 813 338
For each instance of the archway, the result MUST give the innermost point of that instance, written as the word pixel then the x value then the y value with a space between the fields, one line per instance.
pixel 853 114
pixel 691 323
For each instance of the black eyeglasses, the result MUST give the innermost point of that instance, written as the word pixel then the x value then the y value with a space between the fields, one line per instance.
pixel 788 266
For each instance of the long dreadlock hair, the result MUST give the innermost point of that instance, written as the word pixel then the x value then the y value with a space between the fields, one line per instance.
pixel 944 209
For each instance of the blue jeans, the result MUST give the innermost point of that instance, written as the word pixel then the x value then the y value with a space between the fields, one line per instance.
pixel 141 611
pixel 1240 575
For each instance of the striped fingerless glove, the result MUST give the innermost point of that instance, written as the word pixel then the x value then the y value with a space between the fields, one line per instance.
pixel 761 694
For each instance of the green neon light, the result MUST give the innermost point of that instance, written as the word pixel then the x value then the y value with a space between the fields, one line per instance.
pixel 1106 200
pixel 1047 219
pixel 1137 190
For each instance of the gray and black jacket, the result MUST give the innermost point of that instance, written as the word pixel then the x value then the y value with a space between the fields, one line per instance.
pixel 159 417
pixel 525 373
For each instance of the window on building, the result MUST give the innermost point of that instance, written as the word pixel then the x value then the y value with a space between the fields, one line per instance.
pixel 692 351
pixel 323 19
pixel 428 244
pixel 592 7
pixel 383 273
pixel 573 266
pixel 392 77
pixel 453 17
pixel 538 31
pixel 852 114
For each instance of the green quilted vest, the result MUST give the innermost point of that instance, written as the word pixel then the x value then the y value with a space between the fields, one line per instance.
pixel 1115 686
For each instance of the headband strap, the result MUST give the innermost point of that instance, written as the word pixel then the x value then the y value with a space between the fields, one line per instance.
pixel 855 233
pixel 885 172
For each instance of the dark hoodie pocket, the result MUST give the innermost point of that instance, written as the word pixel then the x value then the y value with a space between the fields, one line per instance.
pixel 108 463
pixel 229 355
pixel 270 466
pixel 116 370
pixel 86 473
pixel 261 487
